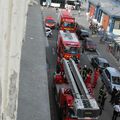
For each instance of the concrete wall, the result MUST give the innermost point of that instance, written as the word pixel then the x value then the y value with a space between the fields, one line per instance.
pixel 13 15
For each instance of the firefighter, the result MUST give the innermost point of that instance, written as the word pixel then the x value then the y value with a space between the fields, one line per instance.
pixel 84 72
pixel 88 78
pixel 96 76
pixel 103 98
pixel 101 92
pixel 113 95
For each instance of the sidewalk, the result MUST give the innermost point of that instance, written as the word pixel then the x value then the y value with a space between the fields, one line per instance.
pixel 33 101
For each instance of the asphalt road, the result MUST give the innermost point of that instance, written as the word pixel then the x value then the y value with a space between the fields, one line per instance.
pixel 85 59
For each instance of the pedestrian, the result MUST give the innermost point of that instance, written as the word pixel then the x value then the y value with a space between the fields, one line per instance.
pixel 101 33
pixel 96 76
pixel 89 70
pixel 116 111
pixel 112 100
pixel 88 79
pixel 104 97
pixel 117 97
pixel 101 91
pixel 84 72
pixel 56 9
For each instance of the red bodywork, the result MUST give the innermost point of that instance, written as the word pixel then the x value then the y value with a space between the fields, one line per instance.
pixel 66 17
pixel 50 22
pixel 64 44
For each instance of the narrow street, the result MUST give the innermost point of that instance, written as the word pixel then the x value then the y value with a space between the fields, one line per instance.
pixel 84 60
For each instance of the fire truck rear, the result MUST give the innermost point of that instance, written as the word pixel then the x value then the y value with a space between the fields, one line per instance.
pixel 72 97
pixel 68 45
pixel 66 21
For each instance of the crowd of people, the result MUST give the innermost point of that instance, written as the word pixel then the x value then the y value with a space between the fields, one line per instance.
pixel 90 78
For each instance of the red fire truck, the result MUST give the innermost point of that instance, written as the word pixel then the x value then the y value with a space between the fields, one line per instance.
pixel 72 97
pixel 68 45
pixel 66 21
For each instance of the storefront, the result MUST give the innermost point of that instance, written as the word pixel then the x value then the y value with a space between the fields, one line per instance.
pixel 116 28
pixel 93 7
pixel 107 14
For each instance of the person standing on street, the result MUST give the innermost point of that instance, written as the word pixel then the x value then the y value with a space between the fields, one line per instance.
pixel 113 94
pixel 101 33
pixel 101 92
pixel 116 111
pixel 88 78
pixel 104 97
pixel 84 72
pixel 96 76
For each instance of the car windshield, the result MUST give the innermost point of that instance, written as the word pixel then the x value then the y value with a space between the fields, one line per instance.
pixel 104 64
pixel 50 21
pixel 116 80
pixel 72 50
pixel 68 24
pixel 70 3
pixel 91 43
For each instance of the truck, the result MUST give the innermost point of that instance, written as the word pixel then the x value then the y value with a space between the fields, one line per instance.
pixel 66 21
pixel 68 45
pixel 73 4
pixel 72 97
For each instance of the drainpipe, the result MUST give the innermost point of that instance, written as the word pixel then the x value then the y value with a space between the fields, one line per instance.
pixel 97 12
pixel 111 24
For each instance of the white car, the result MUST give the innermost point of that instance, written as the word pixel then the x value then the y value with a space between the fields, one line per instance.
pixel 111 78
pixel 48 32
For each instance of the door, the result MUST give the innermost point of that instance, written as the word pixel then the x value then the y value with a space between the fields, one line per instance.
pixel 105 22
pixel 92 10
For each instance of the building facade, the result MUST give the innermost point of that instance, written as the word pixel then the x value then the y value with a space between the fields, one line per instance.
pixel 13 14
pixel 107 14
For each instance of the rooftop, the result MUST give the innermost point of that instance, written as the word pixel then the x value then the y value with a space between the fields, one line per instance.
pixel 107 6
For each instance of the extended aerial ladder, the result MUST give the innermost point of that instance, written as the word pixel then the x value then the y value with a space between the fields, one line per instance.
pixel 84 105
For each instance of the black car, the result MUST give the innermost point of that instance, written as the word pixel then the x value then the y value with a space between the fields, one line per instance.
pixel 89 44
pixel 102 63
pixel 81 32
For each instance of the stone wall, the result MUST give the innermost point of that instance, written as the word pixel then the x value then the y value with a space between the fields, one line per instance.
pixel 13 15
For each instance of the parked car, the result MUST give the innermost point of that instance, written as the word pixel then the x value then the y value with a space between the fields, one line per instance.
pixel 50 22
pixel 111 78
pixel 48 32
pixel 89 44
pixel 102 63
pixel 81 32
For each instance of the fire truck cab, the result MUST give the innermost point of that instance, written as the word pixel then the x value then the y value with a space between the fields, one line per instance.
pixel 68 45
pixel 66 21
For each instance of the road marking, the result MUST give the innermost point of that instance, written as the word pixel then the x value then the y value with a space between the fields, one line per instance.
pixel 53 51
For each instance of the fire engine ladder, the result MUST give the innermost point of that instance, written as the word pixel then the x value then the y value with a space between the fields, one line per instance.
pixel 76 82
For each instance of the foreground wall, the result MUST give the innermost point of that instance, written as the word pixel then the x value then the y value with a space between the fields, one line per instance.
pixel 13 15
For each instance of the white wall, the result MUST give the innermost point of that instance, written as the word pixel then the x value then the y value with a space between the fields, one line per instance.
pixel 13 15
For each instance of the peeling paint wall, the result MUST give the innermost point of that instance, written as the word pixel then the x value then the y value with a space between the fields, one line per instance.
pixel 13 15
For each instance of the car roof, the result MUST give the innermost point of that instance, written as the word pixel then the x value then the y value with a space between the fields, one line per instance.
pixel 89 39
pixel 50 17
pixel 102 60
pixel 113 71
